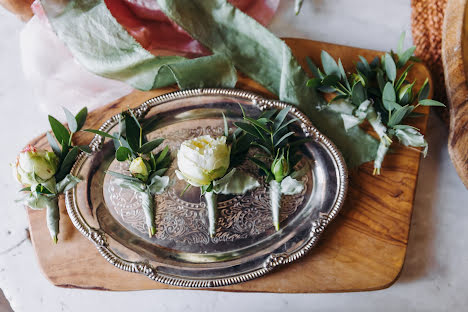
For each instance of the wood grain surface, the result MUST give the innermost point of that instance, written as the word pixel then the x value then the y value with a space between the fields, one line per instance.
pixel 363 249
pixel 454 57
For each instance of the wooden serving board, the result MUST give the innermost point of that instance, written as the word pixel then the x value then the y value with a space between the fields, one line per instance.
pixel 455 60
pixel 363 249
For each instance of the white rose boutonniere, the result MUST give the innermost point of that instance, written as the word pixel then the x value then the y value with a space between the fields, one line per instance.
pixel 208 163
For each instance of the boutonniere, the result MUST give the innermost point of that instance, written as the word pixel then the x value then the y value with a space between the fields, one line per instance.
pixel 146 168
pixel 44 174
pixel 209 163
pixel 278 154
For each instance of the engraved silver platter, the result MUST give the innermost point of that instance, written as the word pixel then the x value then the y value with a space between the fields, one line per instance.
pixel 181 253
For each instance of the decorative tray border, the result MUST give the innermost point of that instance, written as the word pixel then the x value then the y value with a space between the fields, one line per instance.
pixel 98 237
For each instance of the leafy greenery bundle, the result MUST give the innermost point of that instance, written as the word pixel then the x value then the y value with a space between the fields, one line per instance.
pixel 146 169
pixel 45 175
pixel 376 92
pixel 278 153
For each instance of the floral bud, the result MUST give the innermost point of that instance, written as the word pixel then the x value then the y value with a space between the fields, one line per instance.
pixel 139 169
pixel 280 167
pixel 34 165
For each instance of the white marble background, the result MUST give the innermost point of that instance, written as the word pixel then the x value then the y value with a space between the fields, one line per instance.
pixel 435 274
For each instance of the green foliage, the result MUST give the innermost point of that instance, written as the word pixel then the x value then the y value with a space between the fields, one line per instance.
pixel 392 96
pixel 270 134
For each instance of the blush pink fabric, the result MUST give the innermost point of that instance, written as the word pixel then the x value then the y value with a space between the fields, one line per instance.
pixel 145 21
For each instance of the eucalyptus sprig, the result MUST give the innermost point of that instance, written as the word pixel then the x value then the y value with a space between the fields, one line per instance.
pixel 378 91
pixel 279 153
pixel 45 175
pixel 147 169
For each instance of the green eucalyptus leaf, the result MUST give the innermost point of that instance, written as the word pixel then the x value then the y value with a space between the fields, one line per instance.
pixel 399 114
pixel 53 144
pixel 162 155
pixel 67 164
pixel 262 147
pixel 285 124
pixel 405 56
pixel 262 166
pixel 72 124
pixel 122 153
pixel 61 133
pixel 81 118
pixel 424 91
pixel 101 133
pixel 279 119
pixel 314 83
pixel 343 74
pixel 160 172
pixel 283 138
pixel 363 66
pixel 149 146
pixel 428 102
pixel 265 114
pixel 258 124
pixel 250 130
pixel 359 94
pixel 313 68
pixel 390 67
pixel 380 80
pixel 388 96
pixel 329 65
pixel 133 133
pixel 400 43
pixel 330 81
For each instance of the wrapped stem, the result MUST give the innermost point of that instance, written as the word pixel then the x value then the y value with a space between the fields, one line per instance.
pixel 275 199
pixel 147 202
pixel 381 152
pixel 53 217
pixel 211 199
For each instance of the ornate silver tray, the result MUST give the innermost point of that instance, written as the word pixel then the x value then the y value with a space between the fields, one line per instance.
pixel 182 253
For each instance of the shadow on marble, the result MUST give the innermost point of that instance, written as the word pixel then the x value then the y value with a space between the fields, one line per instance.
pixel 421 245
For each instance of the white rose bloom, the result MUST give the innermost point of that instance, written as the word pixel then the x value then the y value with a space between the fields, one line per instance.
pixel 203 159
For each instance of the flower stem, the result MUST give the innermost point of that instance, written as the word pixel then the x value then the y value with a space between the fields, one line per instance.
pixel 148 205
pixel 53 217
pixel 212 205
pixel 275 200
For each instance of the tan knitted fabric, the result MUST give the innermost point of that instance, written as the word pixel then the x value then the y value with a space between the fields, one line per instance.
pixel 427 19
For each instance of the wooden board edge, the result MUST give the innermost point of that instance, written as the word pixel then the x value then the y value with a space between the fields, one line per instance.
pixel 456 83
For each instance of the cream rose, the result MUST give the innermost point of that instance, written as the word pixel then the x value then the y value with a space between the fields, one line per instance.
pixel 203 159
pixel 35 165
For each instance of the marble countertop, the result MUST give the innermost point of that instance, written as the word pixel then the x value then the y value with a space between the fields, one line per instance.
pixel 436 268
